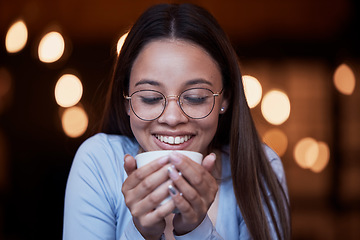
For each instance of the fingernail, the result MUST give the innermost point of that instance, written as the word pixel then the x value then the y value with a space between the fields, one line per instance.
pixel 174 175
pixel 213 155
pixel 126 158
pixel 172 190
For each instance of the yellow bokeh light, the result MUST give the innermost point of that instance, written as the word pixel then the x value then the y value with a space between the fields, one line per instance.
pixel 74 121
pixel 277 140
pixel 306 152
pixel 344 79
pixel 68 90
pixel 16 37
pixel 51 47
pixel 253 90
pixel 322 159
pixel 275 107
pixel 120 43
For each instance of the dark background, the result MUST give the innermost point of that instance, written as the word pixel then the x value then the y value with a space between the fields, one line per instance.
pixel 271 37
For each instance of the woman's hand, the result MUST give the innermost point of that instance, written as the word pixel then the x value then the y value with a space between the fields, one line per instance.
pixel 197 187
pixel 143 190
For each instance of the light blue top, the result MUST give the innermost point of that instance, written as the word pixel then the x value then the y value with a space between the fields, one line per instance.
pixel 95 206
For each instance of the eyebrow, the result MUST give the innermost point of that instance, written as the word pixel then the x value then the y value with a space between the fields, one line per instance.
pixel 198 81
pixel 188 83
pixel 147 81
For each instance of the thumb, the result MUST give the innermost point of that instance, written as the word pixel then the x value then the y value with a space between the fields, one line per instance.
pixel 129 164
pixel 209 162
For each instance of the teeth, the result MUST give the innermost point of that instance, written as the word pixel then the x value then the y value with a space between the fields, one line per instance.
pixel 173 140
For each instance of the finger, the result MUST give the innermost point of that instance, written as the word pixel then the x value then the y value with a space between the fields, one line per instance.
pixel 182 162
pixel 209 162
pixel 198 181
pixel 144 188
pixel 152 200
pixel 181 204
pixel 140 174
pixel 189 193
pixel 193 172
pixel 187 214
pixel 129 164
pixel 160 212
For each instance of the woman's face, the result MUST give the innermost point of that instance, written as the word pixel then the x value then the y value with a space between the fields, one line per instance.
pixel 171 67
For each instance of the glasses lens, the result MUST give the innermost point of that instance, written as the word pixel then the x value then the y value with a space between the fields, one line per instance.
pixel 197 102
pixel 147 104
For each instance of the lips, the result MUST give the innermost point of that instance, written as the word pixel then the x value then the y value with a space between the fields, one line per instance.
pixel 173 140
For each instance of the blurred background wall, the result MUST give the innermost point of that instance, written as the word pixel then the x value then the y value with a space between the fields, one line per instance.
pixel 301 65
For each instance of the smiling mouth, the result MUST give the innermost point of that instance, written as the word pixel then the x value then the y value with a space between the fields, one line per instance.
pixel 173 140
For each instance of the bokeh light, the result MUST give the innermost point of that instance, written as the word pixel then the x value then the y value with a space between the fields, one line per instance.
pixel 306 152
pixel 275 107
pixel 68 90
pixel 51 47
pixel 74 121
pixel 344 79
pixel 322 159
pixel 253 90
pixel 120 42
pixel 16 37
pixel 277 140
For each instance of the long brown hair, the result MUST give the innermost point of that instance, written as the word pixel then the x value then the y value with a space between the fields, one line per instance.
pixel 252 173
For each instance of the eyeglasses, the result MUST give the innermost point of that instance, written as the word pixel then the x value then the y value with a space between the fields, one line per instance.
pixel 196 103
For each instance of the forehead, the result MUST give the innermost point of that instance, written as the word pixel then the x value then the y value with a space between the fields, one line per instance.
pixel 174 63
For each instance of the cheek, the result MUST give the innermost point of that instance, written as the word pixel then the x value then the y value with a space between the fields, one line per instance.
pixel 212 123
pixel 138 128
pixel 209 127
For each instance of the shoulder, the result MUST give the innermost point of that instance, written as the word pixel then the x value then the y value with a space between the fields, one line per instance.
pixel 106 142
pixel 103 153
pixel 107 146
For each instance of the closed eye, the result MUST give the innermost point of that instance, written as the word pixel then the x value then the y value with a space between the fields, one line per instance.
pixel 151 100
pixel 195 99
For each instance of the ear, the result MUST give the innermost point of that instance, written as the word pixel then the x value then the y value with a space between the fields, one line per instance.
pixel 224 105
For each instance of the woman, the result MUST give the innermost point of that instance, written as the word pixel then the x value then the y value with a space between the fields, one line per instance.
pixel 176 85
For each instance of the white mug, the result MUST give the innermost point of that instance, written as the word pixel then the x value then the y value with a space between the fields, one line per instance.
pixel 146 157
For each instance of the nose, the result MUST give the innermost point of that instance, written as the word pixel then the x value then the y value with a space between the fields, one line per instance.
pixel 173 115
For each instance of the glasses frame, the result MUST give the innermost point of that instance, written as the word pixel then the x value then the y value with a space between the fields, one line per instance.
pixel 128 97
